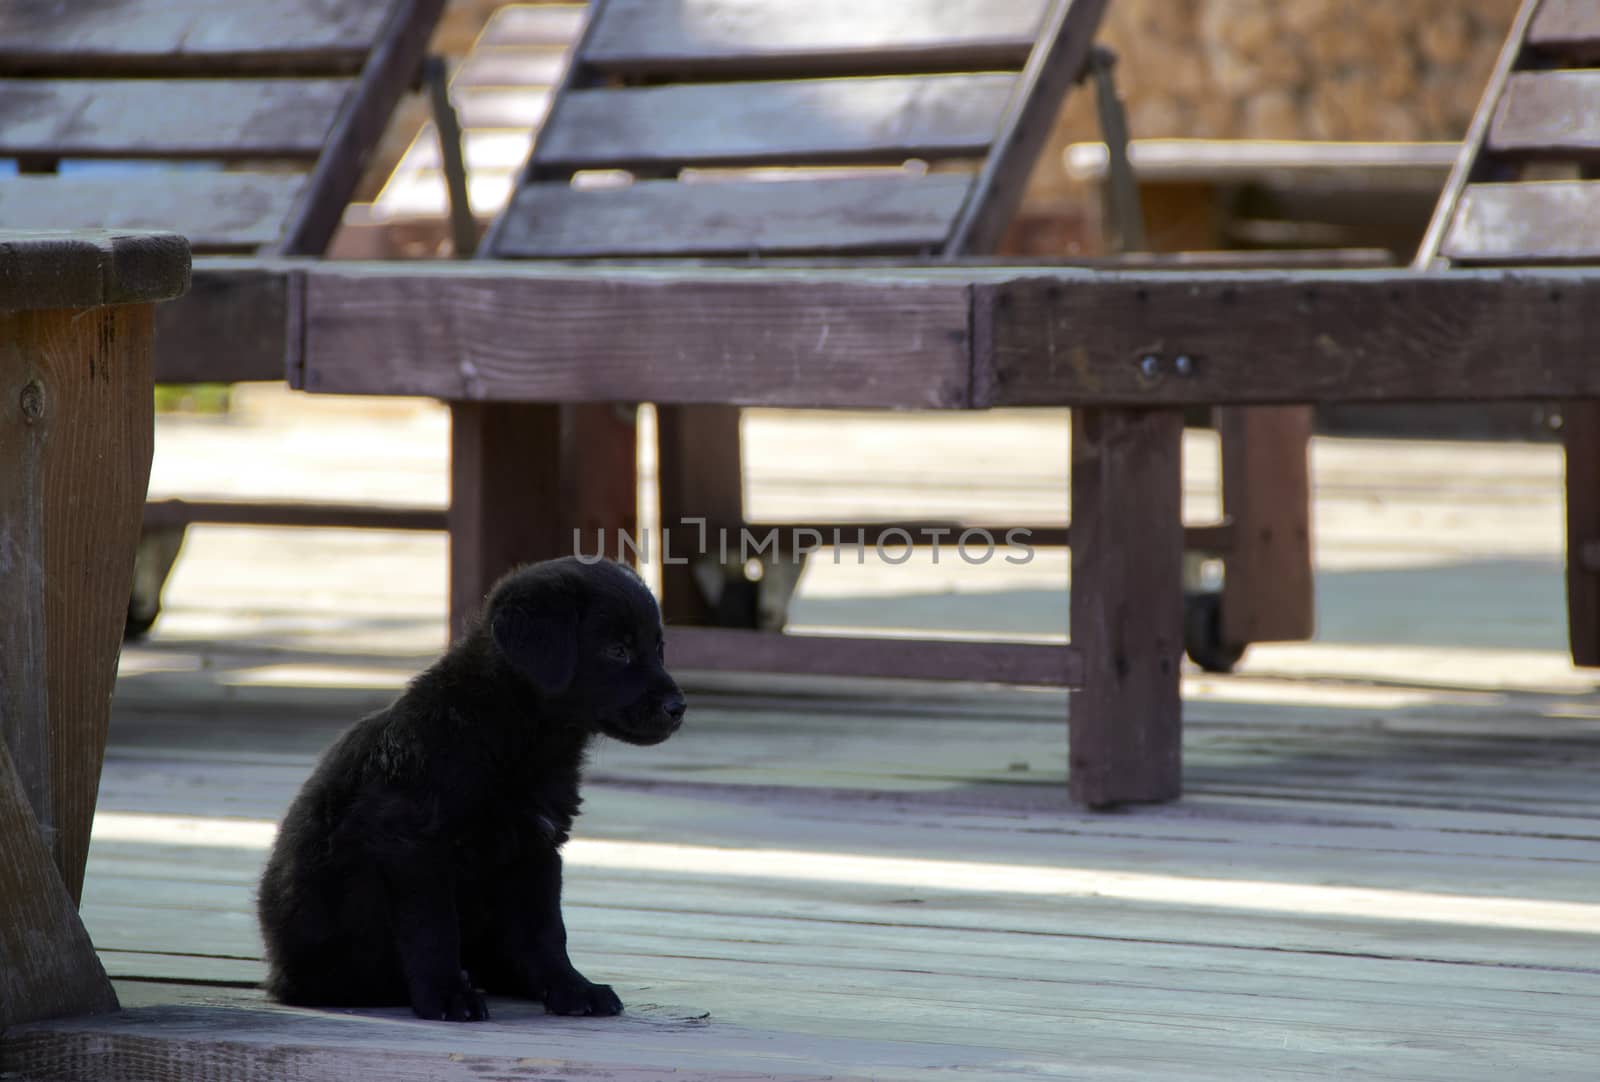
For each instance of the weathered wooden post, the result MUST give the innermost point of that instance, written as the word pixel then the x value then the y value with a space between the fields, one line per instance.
pixel 76 427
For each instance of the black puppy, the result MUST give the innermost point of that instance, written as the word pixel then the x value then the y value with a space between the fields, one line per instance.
pixel 419 863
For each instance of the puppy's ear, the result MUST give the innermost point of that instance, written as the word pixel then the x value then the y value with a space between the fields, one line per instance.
pixel 541 644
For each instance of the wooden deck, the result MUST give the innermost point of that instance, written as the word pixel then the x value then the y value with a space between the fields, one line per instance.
pixel 1386 864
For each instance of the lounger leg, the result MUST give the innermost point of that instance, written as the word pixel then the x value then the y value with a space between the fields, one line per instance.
pixel 505 497
pixel 701 472
pixel 600 479
pixel 1267 593
pixel 1582 436
pixel 1127 605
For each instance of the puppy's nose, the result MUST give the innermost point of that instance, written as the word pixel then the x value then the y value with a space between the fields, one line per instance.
pixel 675 706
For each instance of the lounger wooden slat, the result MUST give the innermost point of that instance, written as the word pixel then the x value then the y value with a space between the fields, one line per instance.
pixel 1548 114
pixel 895 212
pixel 190 37
pixel 217 211
pixel 831 121
pixel 148 118
pixel 1545 222
pixel 1566 26
pixel 754 37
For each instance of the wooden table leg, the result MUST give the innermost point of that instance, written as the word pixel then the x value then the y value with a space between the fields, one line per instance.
pixel 78 409
pixel 600 476
pixel 1127 605
pixel 76 432
pixel 1581 433
pixel 701 476
pixel 1268 587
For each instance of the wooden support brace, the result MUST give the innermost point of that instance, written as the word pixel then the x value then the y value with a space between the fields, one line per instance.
pixel 1127 605
pixel 701 477
pixel 505 497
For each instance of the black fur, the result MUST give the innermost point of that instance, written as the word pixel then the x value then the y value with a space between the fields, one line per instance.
pixel 420 862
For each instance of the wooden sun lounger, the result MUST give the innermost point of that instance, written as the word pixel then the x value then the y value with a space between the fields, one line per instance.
pixel 690 102
pixel 1128 350
pixel 263 114
pixel 1526 190
pixel 959 337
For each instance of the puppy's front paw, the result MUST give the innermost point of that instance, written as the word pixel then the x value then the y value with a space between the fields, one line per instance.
pixel 576 995
pixel 449 1001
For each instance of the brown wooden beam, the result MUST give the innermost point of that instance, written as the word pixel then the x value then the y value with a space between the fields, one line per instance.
pixel 526 333
pixel 1164 339
pixel 914 338
pixel 229 328
pixel 165 514
pixel 726 650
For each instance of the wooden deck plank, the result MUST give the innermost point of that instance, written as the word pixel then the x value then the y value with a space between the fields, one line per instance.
pixel 1385 873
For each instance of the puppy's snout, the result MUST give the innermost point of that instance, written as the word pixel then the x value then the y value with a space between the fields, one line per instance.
pixel 674 706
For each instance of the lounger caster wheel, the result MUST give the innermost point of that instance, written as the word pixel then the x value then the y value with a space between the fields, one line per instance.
pixel 760 601
pixel 158 551
pixel 1202 634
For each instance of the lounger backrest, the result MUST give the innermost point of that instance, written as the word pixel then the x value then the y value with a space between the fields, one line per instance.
pixel 1524 190
pixel 717 128
pixel 273 105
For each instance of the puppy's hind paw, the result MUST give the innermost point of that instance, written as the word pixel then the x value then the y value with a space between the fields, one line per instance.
pixel 450 1001
pixel 579 996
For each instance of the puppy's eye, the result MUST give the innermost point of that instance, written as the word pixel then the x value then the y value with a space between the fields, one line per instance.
pixel 618 652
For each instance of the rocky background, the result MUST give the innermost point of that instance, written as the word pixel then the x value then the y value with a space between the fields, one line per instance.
pixel 1305 69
